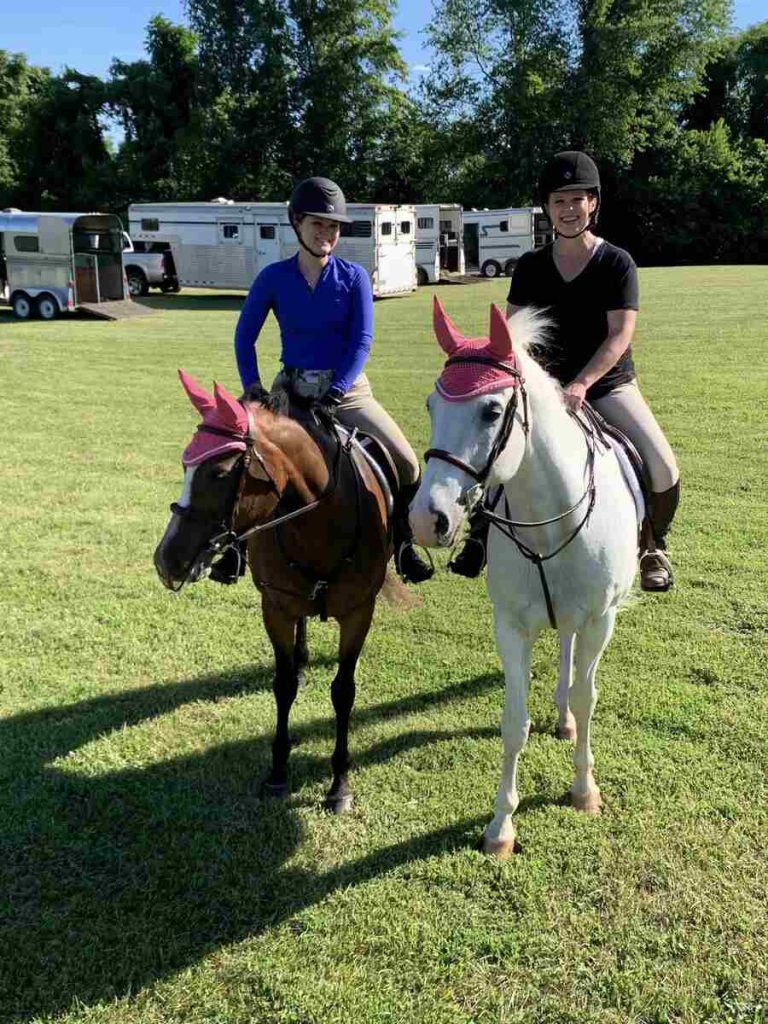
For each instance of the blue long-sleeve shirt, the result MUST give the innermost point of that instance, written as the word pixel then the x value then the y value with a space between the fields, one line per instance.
pixel 328 328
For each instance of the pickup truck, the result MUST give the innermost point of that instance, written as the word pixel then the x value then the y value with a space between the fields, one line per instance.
pixel 148 265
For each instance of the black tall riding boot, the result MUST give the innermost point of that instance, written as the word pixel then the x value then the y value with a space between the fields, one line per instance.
pixel 472 558
pixel 655 567
pixel 408 563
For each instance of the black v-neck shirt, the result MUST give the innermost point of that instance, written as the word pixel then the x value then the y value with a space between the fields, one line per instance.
pixel 578 309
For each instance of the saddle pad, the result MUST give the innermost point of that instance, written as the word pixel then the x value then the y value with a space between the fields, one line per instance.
pixel 629 470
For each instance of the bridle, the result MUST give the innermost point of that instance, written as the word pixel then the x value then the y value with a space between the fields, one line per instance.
pixel 505 524
pixel 228 537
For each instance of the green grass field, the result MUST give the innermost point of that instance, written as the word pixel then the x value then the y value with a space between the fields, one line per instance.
pixel 142 879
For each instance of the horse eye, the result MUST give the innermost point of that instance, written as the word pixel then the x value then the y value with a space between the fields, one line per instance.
pixel 491 413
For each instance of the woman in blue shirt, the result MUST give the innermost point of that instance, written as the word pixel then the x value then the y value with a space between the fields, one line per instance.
pixel 324 307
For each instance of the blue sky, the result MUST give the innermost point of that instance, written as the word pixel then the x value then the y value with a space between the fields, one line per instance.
pixel 87 34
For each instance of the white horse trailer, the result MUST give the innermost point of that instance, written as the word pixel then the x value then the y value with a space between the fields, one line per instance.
pixel 439 241
pixel 494 240
pixel 223 244
pixel 52 262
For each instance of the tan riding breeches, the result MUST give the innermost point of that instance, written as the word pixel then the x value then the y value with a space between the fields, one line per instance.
pixel 360 409
pixel 625 408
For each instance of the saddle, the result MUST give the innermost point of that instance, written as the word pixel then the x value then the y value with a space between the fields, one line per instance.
pixel 632 466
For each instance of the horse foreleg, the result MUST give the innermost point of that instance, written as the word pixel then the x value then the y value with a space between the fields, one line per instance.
pixel 282 632
pixel 590 644
pixel 566 725
pixel 515 651
pixel 353 631
pixel 300 651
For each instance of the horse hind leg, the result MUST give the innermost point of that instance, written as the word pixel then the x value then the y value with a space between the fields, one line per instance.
pixel 566 725
pixel 282 632
pixel 590 644
pixel 515 651
pixel 353 630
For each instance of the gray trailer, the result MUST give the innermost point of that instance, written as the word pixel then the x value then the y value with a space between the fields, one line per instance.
pixel 56 262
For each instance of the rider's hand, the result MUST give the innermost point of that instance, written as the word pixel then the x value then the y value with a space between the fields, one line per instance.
pixel 327 405
pixel 574 395
pixel 256 392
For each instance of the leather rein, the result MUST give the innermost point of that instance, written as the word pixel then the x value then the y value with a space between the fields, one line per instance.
pixel 505 524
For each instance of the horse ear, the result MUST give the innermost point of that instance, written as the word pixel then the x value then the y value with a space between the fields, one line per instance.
pixel 445 330
pixel 502 345
pixel 230 411
pixel 198 396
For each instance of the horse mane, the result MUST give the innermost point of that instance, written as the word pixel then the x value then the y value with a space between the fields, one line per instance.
pixel 530 328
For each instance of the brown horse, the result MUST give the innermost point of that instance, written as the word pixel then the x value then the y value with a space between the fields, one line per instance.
pixel 316 521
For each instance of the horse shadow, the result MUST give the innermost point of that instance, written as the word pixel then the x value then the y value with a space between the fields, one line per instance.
pixel 114 881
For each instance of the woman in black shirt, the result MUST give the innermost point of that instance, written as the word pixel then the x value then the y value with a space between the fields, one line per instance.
pixel 589 290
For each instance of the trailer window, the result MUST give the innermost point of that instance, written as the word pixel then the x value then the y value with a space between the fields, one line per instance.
pixel 357 229
pixel 267 231
pixel 446 225
pixel 405 227
pixel 230 232
pixel 426 223
pixel 150 224
pixel 25 243
pixel 504 226
pixel 386 227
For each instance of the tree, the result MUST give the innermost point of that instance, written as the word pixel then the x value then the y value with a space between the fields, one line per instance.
pixel 299 87
pixel 19 85
pixel 518 79
pixel 154 101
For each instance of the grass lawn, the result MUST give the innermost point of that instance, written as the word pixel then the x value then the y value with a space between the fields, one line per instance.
pixel 143 880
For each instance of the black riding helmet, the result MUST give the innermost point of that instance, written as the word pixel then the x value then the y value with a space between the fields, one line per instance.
pixel 318 197
pixel 570 171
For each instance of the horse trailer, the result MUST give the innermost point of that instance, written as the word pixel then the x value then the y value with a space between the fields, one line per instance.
pixel 223 244
pixel 56 262
pixel 439 241
pixel 494 240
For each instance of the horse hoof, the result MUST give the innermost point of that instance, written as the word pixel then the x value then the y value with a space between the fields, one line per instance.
pixel 339 804
pixel 587 803
pixel 275 790
pixel 500 849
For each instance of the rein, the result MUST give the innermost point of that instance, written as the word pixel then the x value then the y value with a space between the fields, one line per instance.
pixel 505 524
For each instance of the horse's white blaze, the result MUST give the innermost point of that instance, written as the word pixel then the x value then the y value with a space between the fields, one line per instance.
pixel 184 501
pixel 542 476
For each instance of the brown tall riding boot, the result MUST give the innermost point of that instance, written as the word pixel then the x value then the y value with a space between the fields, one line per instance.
pixel 655 567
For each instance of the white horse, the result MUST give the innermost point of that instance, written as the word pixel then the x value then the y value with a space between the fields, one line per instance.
pixel 564 550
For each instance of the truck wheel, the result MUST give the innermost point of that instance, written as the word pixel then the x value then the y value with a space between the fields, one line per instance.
pixel 22 306
pixel 490 269
pixel 47 307
pixel 137 283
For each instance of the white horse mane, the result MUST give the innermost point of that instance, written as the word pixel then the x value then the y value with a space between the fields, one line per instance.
pixel 529 327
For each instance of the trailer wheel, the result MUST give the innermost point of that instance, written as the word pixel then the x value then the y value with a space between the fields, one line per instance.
pixel 490 269
pixel 137 282
pixel 509 267
pixel 47 307
pixel 421 276
pixel 22 306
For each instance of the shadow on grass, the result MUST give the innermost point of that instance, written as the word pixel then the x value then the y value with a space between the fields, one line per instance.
pixel 112 882
pixel 202 303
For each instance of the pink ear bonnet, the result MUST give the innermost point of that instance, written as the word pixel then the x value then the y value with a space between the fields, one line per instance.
pixel 462 380
pixel 223 415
